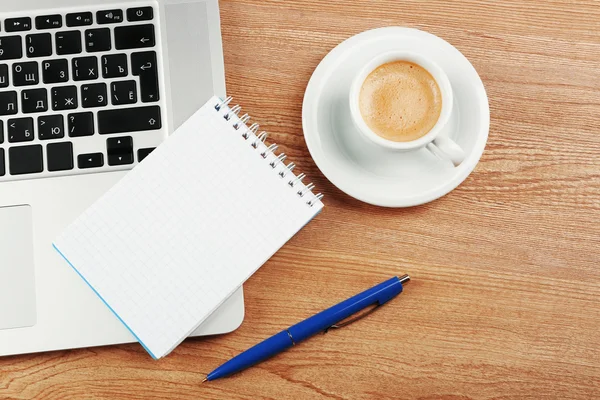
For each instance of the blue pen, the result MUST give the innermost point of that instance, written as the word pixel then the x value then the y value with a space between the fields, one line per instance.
pixel 321 322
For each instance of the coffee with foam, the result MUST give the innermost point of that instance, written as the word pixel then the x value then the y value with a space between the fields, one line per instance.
pixel 400 101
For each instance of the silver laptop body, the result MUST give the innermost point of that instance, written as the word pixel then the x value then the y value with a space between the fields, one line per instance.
pixel 97 86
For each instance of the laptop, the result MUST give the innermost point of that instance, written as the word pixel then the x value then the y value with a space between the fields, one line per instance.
pixel 88 88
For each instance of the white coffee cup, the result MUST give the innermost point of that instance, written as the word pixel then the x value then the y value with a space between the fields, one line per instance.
pixel 436 140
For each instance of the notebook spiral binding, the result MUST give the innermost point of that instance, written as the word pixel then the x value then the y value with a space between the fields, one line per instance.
pixel 251 131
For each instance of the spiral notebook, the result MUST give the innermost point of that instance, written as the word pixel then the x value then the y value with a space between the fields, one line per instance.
pixel 187 227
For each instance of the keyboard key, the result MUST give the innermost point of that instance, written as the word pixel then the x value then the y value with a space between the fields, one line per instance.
pixel 26 159
pixel 129 120
pixel 123 144
pixel 55 71
pixel 2 164
pixel 81 124
pixel 143 153
pixel 48 21
pixel 17 24
pixel 80 19
pixel 59 156
pixel 26 74
pixel 97 40
pixel 124 92
pixel 3 75
pixel 20 130
pixel 140 14
pixel 85 68
pixel 93 160
pixel 134 37
pixel 109 17
pixel 51 127
pixel 8 103
pixel 94 95
pixel 120 150
pixel 68 42
pixel 11 47
pixel 63 98
pixel 114 66
pixel 38 45
pixel 1 132
pixel 34 100
pixel 144 66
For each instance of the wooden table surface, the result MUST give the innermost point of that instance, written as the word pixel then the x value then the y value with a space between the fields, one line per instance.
pixel 504 302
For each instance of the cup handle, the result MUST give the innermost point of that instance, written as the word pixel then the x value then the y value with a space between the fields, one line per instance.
pixel 446 148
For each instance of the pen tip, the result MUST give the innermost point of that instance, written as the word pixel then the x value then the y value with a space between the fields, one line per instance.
pixel 404 278
pixel 204 380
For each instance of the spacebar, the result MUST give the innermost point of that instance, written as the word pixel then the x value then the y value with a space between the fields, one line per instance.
pixel 129 120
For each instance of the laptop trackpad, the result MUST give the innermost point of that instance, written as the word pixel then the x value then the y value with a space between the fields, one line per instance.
pixel 17 283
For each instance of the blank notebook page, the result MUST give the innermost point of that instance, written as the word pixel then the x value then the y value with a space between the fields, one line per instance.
pixel 184 229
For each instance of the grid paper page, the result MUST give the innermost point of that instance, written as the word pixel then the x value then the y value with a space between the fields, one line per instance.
pixel 185 229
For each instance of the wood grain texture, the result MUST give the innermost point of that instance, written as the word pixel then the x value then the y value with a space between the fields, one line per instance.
pixel 506 275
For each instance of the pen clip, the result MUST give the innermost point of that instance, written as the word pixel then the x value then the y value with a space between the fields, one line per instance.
pixel 361 315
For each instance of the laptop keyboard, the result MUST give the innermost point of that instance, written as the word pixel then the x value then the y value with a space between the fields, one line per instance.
pixel 80 91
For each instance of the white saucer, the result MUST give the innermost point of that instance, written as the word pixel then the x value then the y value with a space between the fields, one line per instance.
pixel 367 172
